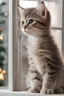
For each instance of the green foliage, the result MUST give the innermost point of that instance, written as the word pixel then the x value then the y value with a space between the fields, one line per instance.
pixel 1 42
pixel 2 47
pixel 1 14
pixel 2 22
pixel 3 3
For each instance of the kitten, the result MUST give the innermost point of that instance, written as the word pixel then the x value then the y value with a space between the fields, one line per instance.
pixel 45 64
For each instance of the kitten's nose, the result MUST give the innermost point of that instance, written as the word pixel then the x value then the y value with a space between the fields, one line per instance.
pixel 25 26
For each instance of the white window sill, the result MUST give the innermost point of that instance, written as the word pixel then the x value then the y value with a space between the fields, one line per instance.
pixel 11 93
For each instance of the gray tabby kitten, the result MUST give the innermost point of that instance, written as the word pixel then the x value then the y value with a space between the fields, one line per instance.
pixel 45 64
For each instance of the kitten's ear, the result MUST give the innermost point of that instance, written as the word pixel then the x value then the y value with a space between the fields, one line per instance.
pixel 21 10
pixel 41 8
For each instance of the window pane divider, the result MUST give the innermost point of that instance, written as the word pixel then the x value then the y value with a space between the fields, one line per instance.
pixel 56 28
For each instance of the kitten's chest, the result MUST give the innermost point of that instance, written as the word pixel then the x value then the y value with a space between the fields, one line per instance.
pixel 32 45
pixel 33 49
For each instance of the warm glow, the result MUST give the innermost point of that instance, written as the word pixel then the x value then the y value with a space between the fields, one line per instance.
pixel 2 72
pixel 1 76
pixel 6 14
pixel 1 37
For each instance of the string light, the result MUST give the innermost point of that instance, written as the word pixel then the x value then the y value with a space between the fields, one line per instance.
pixel 2 48
pixel 1 37
pixel 0 69
pixel 2 74
pixel 5 14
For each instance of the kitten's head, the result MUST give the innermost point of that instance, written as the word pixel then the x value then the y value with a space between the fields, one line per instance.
pixel 34 21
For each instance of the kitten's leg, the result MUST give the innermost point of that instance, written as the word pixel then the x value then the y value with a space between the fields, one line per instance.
pixel 50 77
pixel 35 78
pixel 35 82
pixel 49 83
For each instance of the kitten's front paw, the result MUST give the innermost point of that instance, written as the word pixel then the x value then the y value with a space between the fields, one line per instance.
pixel 47 91
pixel 59 91
pixel 33 90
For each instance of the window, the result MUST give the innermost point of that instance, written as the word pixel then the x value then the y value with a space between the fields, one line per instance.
pixel 55 8
pixel 16 66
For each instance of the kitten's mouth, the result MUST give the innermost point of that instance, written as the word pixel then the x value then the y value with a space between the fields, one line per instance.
pixel 23 30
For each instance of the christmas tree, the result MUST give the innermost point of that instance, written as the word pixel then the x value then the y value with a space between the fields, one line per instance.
pixel 2 47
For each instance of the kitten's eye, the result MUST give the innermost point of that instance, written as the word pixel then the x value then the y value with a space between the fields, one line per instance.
pixel 30 21
pixel 22 22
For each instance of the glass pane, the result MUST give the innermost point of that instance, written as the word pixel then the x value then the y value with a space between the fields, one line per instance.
pixel 57 36
pixel 55 9
pixel 3 44
pixel 27 4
